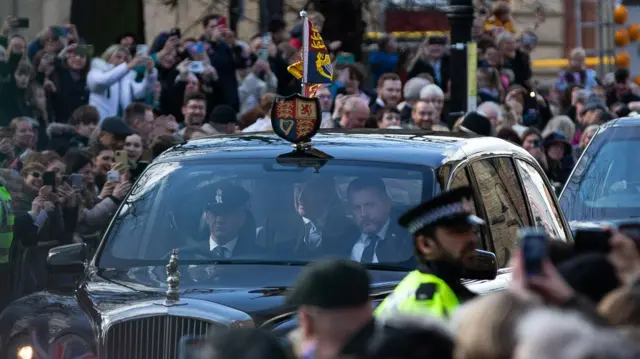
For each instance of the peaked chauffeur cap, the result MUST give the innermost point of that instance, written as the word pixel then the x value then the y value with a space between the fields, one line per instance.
pixel 227 198
pixel 450 209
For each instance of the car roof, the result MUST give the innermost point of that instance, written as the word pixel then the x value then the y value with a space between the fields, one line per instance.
pixel 394 146
pixel 623 122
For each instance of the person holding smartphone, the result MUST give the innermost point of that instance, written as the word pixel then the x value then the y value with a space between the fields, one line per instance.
pixel 444 238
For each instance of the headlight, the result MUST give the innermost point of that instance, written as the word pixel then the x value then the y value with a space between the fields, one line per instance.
pixel 72 347
pixel 25 352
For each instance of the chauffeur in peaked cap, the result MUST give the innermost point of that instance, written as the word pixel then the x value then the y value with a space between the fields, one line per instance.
pixel 444 238
pixel 231 226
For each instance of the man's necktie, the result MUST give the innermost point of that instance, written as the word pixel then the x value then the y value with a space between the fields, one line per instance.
pixel 369 250
pixel 221 252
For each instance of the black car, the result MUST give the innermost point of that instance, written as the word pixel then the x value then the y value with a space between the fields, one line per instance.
pixel 605 183
pixel 127 301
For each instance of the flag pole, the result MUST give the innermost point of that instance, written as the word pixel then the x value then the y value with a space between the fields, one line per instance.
pixel 305 50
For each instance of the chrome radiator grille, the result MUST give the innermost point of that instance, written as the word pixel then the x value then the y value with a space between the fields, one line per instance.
pixel 155 337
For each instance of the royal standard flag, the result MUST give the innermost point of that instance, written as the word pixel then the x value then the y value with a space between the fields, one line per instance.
pixel 315 68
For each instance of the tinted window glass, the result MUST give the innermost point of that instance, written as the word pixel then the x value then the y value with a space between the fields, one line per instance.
pixel 461 179
pixel 291 212
pixel 545 213
pixel 606 181
pixel 503 218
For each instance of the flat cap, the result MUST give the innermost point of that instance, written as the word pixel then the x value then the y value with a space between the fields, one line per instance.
pixel 451 208
pixel 331 284
pixel 227 198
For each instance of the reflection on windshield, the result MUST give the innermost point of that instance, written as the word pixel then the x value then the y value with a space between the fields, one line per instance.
pixel 216 211
pixel 606 181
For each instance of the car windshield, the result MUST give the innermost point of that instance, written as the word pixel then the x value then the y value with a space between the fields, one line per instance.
pixel 605 184
pixel 265 211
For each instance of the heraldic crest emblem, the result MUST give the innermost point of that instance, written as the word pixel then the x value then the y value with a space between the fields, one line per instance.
pixel 295 118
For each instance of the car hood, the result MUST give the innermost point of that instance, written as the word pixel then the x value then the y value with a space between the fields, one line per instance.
pixel 258 290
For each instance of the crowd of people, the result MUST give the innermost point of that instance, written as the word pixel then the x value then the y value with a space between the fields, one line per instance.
pixel 67 111
pixel 569 304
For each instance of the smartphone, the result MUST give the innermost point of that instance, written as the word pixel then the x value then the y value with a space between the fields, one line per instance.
pixel 196 67
pixel 84 50
pixel 589 240
pixel 263 54
pixel 631 230
pixel 142 50
pixel 122 157
pixel 49 179
pixel 59 31
pixel 76 180
pixel 534 249
pixel 22 23
pixel 175 32
pixel 113 176
pixel 196 48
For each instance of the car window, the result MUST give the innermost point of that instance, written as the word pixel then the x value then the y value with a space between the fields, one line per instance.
pixel 500 205
pixel 290 212
pixel 543 208
pixel 461 179
pixel 605 183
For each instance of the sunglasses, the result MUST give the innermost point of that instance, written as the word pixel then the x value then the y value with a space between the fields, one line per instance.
pixel 36 174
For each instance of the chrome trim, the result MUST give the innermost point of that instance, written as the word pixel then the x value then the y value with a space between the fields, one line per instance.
pixel 173 279
pixel 184 311
pixel 193 308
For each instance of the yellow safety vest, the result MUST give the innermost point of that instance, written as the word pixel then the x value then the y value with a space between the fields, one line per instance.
pixel 442 302
pixel 6 225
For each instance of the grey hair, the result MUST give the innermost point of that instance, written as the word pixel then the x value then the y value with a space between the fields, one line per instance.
pixel 562 124
pixel 429 90
pixel 606 344
pixel 490 105
pixel 543 333
pixel 413 87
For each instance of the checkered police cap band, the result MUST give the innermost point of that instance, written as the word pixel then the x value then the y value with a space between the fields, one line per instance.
pixel 435 215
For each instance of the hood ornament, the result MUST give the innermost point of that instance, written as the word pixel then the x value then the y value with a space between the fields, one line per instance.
pixel 173 281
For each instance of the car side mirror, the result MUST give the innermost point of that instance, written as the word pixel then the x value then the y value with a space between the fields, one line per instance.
pixel 482 265
pixel 67 259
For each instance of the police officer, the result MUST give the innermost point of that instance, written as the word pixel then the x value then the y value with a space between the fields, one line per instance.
pixel 335 313
pixel 443 240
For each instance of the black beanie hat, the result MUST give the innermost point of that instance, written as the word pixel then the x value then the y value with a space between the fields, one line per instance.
pixel 477 123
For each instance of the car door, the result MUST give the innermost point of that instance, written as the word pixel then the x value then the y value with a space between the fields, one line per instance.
pixel 544 209
pixel 503 202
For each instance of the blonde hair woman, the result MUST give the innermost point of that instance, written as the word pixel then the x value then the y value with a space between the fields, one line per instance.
pixel 486 326
pixel 111 80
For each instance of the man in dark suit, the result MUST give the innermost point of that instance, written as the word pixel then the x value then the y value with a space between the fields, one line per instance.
pixel 381 239
pixel 327 229
pixel 231 226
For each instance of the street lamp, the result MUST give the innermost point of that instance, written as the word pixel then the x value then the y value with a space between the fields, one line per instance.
pixel 461 15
